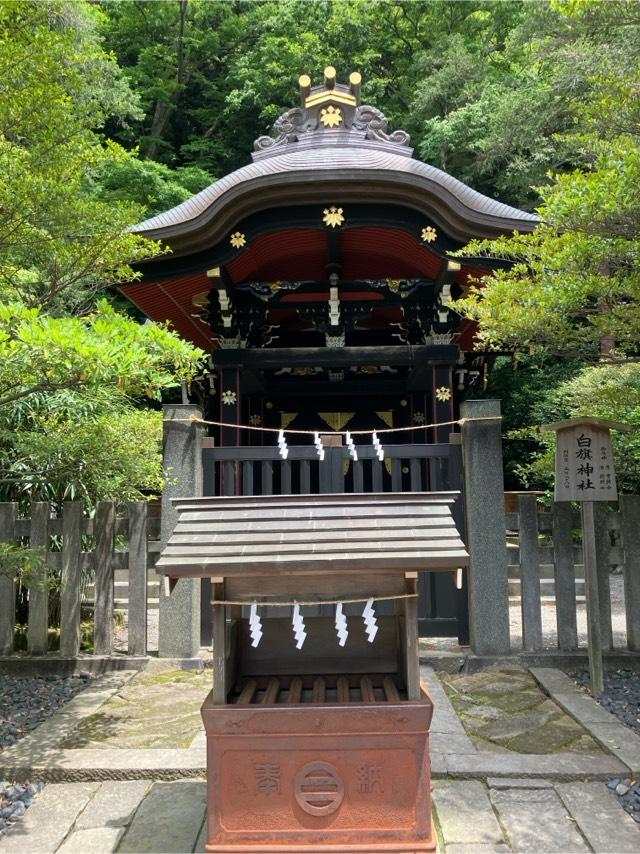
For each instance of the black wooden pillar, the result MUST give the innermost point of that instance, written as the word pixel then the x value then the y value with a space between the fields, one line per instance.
pixel 230 413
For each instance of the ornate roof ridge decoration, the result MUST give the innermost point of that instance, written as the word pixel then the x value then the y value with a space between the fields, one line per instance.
pixel 331 114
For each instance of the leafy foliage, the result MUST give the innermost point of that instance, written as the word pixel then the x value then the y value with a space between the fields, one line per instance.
pixel 59 243
pixel 602 391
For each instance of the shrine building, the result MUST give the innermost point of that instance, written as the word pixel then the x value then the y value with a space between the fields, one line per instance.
pixel 320 279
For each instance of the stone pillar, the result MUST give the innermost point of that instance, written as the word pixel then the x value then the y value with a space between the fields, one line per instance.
pixel 486 527
pixel 179 631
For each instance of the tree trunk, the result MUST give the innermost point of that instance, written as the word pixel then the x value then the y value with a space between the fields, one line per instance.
pixel 165 107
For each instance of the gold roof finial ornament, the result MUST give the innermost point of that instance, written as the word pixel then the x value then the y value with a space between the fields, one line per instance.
pixel 335 107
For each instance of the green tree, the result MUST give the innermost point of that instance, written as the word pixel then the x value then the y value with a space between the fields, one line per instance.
pixel 573 286
pixel 59 244
pixel 73 371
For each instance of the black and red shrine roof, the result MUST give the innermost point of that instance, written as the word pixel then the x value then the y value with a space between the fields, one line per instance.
pixel 330 190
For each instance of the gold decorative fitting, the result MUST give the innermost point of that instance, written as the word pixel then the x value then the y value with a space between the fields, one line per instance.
pixel 229 398
pixel 332 216
pixel 393 285
pixel 331 117
pixel 429 234
pixel 443 394
pixel 237 240
pixel 418 417
pixel 255 420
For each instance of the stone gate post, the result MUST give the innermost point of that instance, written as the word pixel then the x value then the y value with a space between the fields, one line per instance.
pixel 179 630
pixel 486 527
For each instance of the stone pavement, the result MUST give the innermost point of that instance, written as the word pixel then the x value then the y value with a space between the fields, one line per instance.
pixel 130 800
pixel 472 817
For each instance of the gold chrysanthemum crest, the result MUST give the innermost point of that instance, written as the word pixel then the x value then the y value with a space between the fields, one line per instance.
pixel 237 240
pixel 429 234
pixel 443 394
pixel 333 216
pixel 331 117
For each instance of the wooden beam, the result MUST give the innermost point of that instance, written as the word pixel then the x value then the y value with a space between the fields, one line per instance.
pixel 279 357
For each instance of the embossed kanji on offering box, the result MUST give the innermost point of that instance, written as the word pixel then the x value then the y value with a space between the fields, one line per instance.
pixel 317 725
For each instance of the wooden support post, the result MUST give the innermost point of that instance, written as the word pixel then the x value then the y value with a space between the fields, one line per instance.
pixel 220 687
pixel 412 651
pixel 38 629
pixel 594 627
pixel 8 515
pixel 565 576
pixel 529 573
pixel 630 507
pixel 71 579
pixel 603 545
pixel 105 532
pixel 137 623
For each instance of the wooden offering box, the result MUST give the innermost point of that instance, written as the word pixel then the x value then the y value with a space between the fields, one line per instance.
pixel 322 748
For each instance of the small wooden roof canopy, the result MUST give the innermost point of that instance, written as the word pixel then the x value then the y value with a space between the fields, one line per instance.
pixel 313 534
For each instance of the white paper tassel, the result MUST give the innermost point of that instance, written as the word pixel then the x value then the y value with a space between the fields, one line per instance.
pixel 341 625
pixel 370 622
pixel 255 625
pixel 352 448
pixel 282 445
pixel 377 446
pixel 298 627
pixel 318 443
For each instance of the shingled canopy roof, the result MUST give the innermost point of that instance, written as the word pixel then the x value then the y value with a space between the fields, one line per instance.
pixel 332 147
pixel 318 534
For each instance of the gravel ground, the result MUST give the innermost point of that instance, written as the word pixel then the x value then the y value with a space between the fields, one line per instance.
pixel 14 801
pixel 26 702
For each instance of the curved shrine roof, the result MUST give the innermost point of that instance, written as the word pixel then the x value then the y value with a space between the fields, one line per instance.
pixel 330 150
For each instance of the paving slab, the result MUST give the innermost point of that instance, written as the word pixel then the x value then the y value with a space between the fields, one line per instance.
pixel 202 839
pixel 536 820
pixel 499 848
pixel 606 826
pixel 465 814
pixel 619 740
pixel 518 783
pixel 47 822
pixel 56 728
pixel 449 742
pixel 552 766
pixel 445 719
pixel 114 804
pixel 92 840
pixel 168 820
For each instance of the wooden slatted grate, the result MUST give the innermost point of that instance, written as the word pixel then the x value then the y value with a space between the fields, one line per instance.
pixel 276 690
